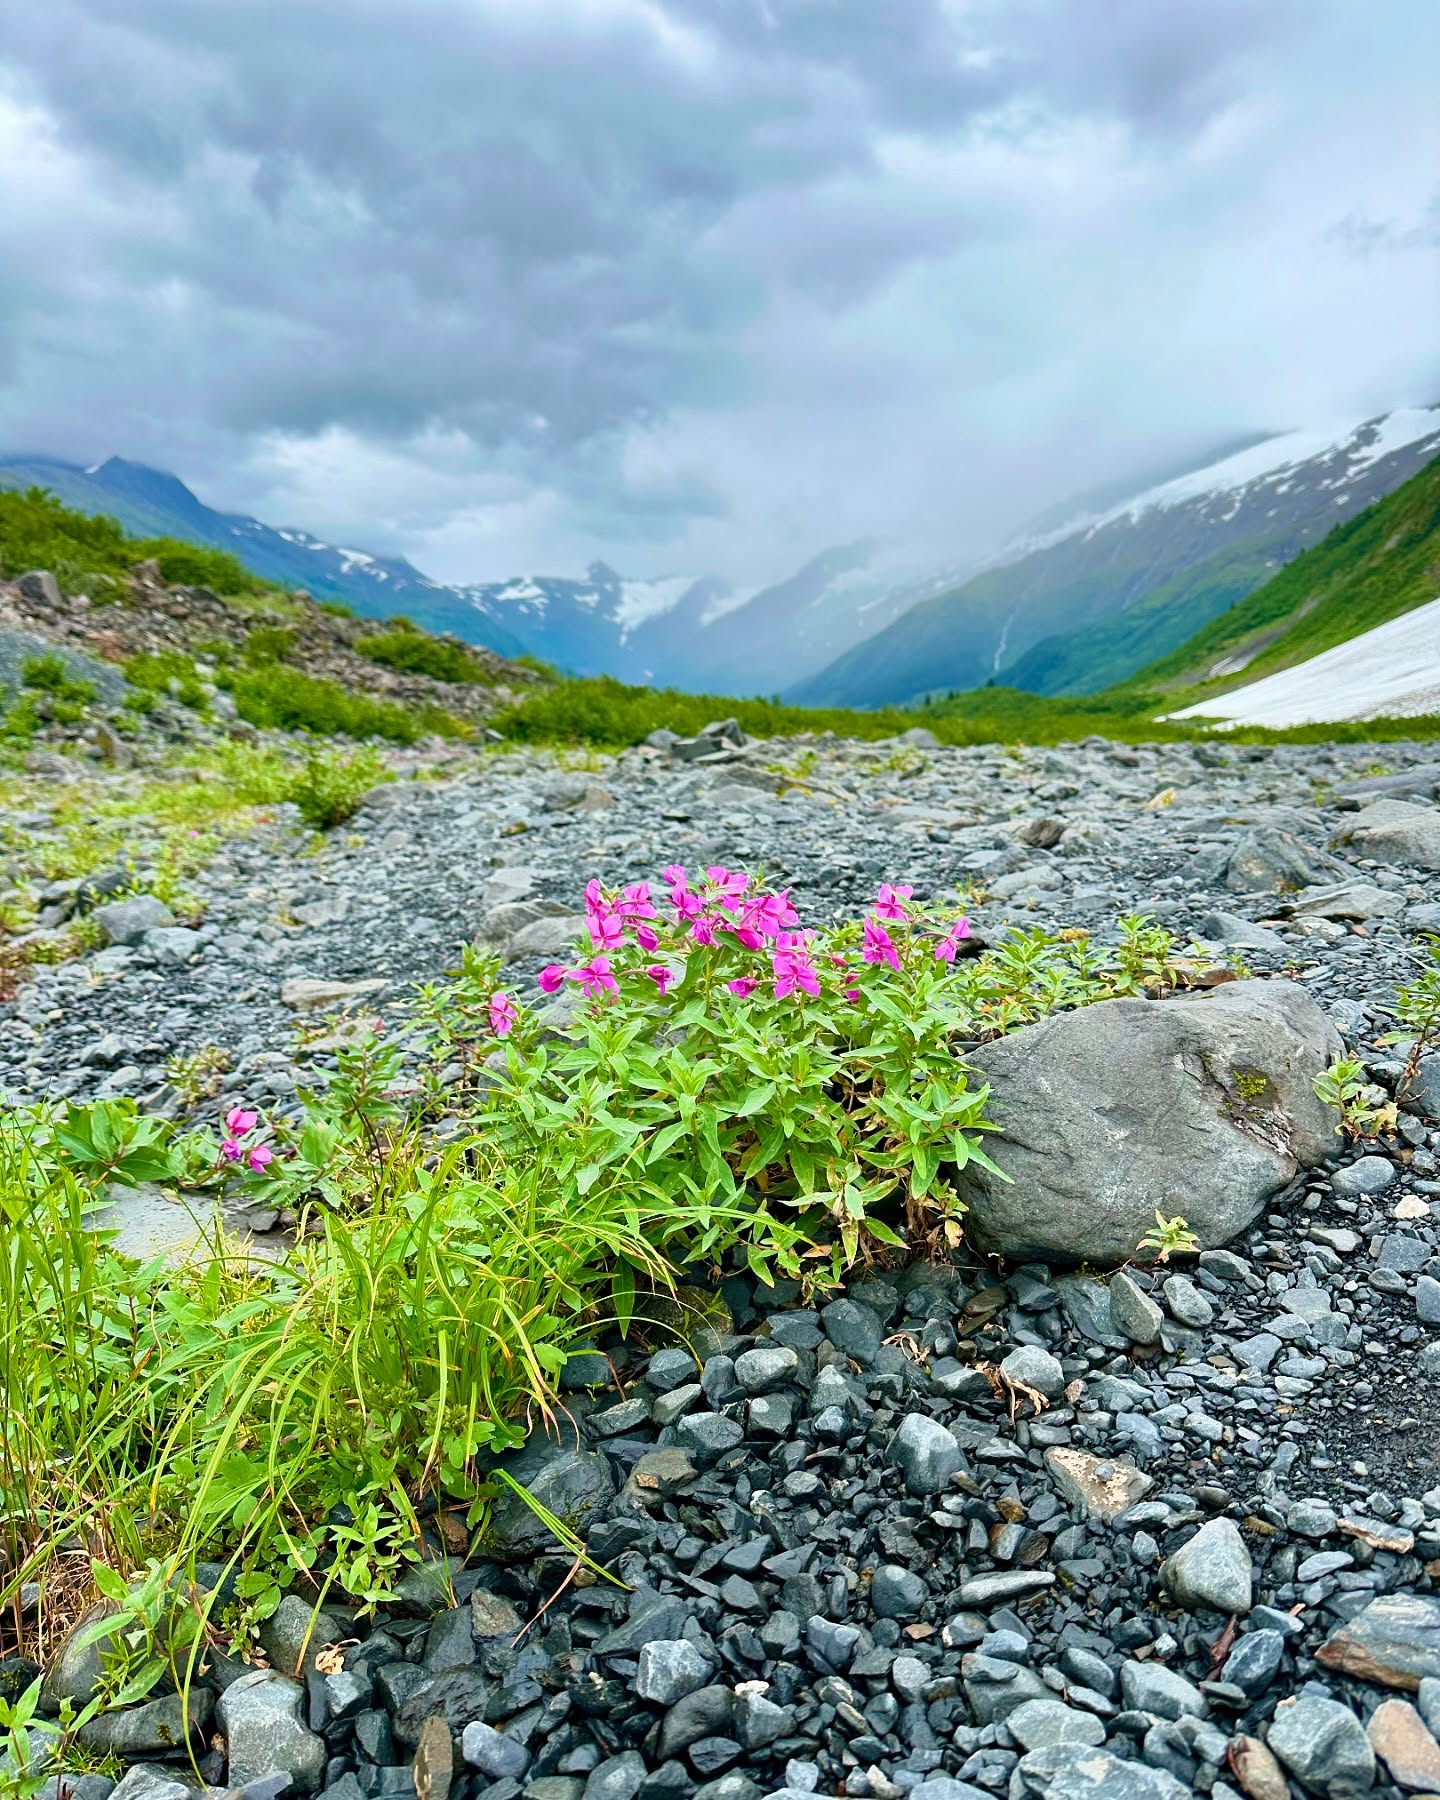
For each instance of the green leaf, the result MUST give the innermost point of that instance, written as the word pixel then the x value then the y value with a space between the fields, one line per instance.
pixel 624 1297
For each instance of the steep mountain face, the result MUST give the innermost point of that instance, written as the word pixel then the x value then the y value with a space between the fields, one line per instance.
pixel 1087 605
pixel 685 631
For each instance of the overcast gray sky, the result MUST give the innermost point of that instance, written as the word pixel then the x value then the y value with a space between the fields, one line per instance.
pixel 704 284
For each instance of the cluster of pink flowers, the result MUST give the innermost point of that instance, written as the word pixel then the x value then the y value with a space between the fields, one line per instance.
pixel 238 1126
pixel 722 903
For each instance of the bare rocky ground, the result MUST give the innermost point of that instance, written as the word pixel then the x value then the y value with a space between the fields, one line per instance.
pixel 999 1528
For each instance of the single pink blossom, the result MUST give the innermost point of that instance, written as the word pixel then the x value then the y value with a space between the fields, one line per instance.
pixel 743 986
pixel 647 937
pixel 503 1016
pixel 852 994
pixel 946 949
pixel 231 1150
pixel 687 906
pixel 879 946
pixel 890 901
pixel 791 966
pixel 674 874
pixel 552 978
pixel 770 914
pixel 635 902
pixel 728 887
pixel 752 940
pixel 661 976
pixel 259 1156
pixel 607 930
pixel 703 930
pixel 595 900
pixel 594 977
pixel 238 1122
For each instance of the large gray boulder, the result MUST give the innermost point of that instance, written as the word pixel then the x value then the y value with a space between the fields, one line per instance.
pixel 1202 1105
pixel 1395 831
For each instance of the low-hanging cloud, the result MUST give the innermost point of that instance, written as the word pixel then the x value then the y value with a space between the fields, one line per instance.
pixel 688 284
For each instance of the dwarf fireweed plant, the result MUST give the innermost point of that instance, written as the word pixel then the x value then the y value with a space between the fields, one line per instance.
pixel 710 1083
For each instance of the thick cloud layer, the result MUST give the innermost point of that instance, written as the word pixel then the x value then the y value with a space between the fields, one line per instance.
pixel 691 284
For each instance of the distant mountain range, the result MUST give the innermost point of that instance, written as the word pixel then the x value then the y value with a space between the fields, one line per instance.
pixel 1090 602
pixel 683 631
pixel 1088 596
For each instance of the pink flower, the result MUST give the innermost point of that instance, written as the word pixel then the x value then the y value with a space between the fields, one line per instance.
pixel 674 874
pixel 503 1016
pixel 687 905
pixel 852 994
pixel 743 986
pixel 660 975
pixel 594 977
pixel 595 900
pixel 635 902
pixel 231 1150
pixel 647 937
pixel 791 965
pixel 890 901
pixel 552 978
pixel 238 1122
pixel 259 1156
pixel 703 930
pixel 728 887
pixel 607 930
pixel 879 947
pixel 769 914
pixel 946 949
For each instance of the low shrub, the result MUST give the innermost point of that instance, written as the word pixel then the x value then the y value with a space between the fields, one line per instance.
pixel 329 785
pixel 285 700
pixel 416 653
pixel 167 673
pixel 85 550
pixel 270 644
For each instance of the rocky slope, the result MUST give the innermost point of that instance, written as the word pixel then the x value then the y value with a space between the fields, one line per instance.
pixel 993 1527
pixel 1095 601
pixel 151 618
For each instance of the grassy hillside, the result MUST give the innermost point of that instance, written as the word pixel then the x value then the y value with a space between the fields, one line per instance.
pixel 87 552
pixel 1101 655
pixel 1380 564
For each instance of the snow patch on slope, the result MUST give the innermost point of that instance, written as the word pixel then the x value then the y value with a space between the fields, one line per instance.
pixel 1390 672
pixel 641 600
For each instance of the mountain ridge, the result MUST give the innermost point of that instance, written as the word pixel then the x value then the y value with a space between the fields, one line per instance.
pixel 1089 606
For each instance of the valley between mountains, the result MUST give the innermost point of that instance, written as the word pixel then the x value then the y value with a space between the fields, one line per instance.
pixel 571 1242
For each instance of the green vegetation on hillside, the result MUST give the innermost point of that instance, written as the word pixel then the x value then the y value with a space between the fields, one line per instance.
pixel 414 652
pixel 1109 651
pixel 609 714
pixel 1381 563
pixel 85 552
